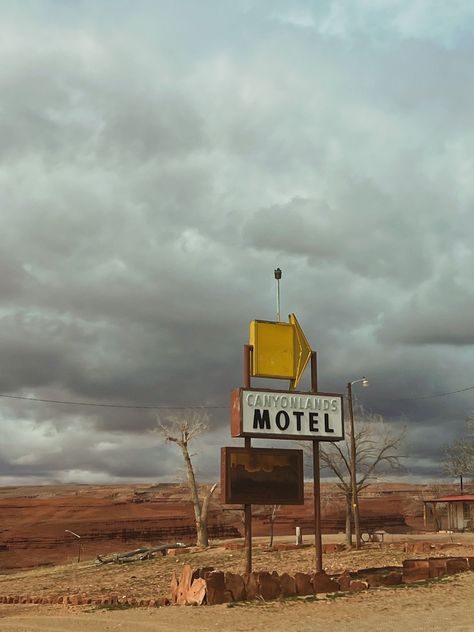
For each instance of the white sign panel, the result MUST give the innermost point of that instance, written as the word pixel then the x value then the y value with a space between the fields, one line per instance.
pixel 292 415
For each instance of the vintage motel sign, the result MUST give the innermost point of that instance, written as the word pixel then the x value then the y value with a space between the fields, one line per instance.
pixel 280 350
pixel 271 414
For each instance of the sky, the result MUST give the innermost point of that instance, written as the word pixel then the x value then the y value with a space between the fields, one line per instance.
pixel 158 160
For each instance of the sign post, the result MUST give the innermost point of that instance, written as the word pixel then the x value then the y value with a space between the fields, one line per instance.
pixel 281 351
pixel 318 541
pixel 248 507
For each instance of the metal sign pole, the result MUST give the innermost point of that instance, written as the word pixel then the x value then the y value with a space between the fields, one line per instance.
pixel 316 476
pixel 247 440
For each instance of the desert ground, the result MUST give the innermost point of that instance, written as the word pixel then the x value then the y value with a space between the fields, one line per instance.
pixel 445 604
pixel 442 607
pixel 40 560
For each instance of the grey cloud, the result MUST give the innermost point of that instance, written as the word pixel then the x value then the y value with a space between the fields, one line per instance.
pixel 438 313
pixel 153 176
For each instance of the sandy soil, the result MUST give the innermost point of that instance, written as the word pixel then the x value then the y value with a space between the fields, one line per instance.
pixel 151 579
pixel 447 606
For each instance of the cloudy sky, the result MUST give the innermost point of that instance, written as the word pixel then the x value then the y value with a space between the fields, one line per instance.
pixel 159 159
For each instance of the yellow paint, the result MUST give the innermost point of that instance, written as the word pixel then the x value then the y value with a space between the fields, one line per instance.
pixel 280 350
pixel 302 351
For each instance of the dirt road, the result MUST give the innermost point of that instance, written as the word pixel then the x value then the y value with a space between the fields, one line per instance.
pixel 444 607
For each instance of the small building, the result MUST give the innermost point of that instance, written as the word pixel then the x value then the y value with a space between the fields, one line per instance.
pixel 449 513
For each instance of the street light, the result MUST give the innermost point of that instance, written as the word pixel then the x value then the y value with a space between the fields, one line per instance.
pixel 355 503
pixel 76 535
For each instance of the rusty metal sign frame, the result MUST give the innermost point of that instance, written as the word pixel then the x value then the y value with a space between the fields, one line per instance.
pixel 273 495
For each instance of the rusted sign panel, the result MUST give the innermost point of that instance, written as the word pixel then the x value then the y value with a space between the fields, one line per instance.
pixel 262 476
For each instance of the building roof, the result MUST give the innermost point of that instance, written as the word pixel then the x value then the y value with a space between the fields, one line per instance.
pixel 469 498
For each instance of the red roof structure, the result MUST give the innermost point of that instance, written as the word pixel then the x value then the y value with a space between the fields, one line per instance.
pixel 456 514
pixel 466 498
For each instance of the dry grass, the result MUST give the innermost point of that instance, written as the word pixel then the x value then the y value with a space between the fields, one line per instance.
pixel 151 578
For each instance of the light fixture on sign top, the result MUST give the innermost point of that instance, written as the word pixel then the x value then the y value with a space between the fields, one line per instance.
pixel 355 501
pixel 277 274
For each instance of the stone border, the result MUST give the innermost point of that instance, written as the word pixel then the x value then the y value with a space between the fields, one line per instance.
pixel 84 600
pixel 209 586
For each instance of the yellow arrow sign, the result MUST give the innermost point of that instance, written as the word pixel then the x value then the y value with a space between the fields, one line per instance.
pixel 302 351
pixel 280 350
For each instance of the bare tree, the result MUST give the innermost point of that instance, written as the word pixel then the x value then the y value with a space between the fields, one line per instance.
pixel 377 451
pixel 470 424
pixel 458 457
pixel 181 431
pixel 270 513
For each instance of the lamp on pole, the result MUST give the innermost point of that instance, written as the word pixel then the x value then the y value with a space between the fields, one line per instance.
pixel 79 538
pixel 355 502
pixel 277 274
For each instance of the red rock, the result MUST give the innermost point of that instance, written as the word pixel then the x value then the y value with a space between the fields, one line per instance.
pixel 174 588
pixel 437 567
pixel 287 585
pixel 269 586
pixel 304 584
pixel 418 547
pixel 344 580
pixel 197 592
pixel 251 586
pixel 456 565
pixel 163 601
pixel 180 551
pixel 470 561
pixel 393 578
pixel 184 584
pixel 215 587
pixel 422 547
pixel 202 572
pixel 322 583
pixel 375 580
pixel 235 586
pixel 357 585
pixel 415 570
pixel 286 546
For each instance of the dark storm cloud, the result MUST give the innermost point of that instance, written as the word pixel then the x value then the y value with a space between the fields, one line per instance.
pixel 153 173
